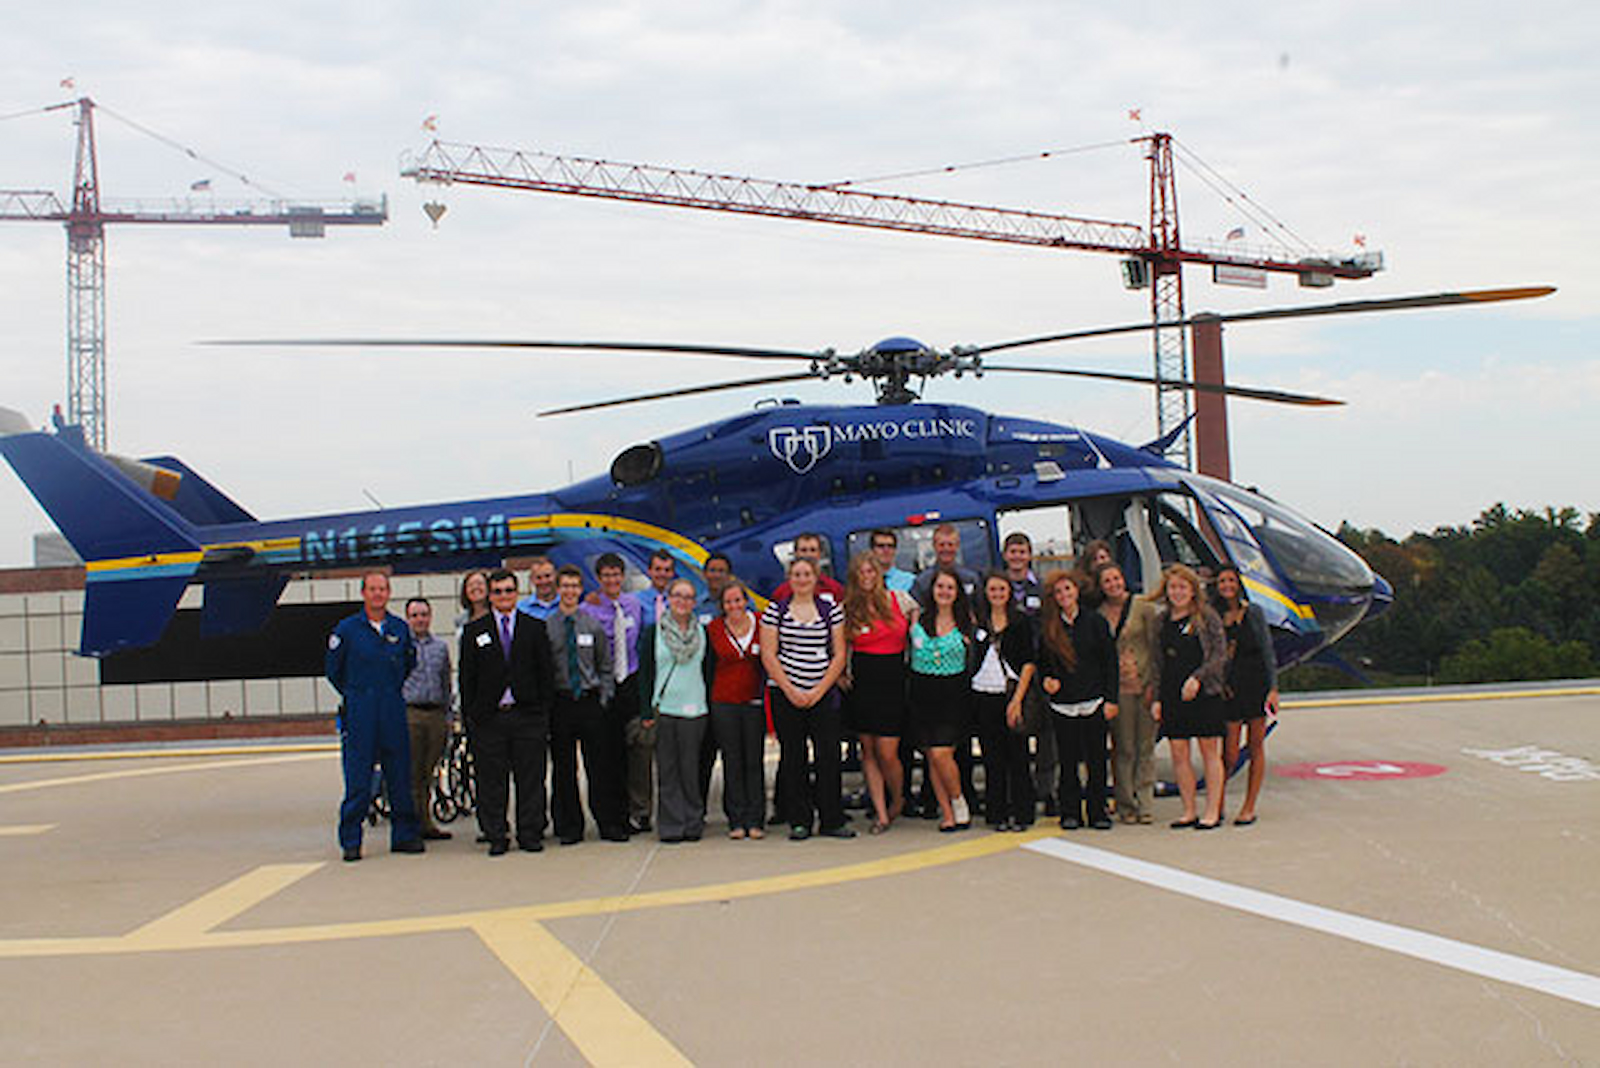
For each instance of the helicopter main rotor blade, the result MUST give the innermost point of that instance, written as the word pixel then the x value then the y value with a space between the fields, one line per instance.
pixel 515 343
pixel 1276 396
pixel 687 391
pixel 1349 307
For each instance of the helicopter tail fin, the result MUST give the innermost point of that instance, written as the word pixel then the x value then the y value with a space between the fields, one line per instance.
pixel 1160 446
pixel 139 552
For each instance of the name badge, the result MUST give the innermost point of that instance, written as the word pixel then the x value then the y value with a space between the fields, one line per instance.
pixel 484 639
pixel 969 587
pixel 866 629
pixel 916 641
pixel 755 647
pixel 392 639
pixel 585 641
pixel 1031 601
pixel 980 635
pixel 705 620
pixel 627 622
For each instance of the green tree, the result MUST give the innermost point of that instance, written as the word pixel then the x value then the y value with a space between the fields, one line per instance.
pixel 1514 654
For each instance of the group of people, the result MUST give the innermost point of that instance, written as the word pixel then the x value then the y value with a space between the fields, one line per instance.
pixel 654 687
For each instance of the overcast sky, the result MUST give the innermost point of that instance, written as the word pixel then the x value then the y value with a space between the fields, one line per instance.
pixel 1463 148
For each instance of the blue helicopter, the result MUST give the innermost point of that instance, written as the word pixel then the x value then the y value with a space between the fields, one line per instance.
pixel 743 486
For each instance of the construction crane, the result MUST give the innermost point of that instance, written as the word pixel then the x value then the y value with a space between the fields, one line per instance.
pixel 1154 255
pixel 86 220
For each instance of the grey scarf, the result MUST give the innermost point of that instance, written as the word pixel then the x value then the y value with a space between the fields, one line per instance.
pixel 684 645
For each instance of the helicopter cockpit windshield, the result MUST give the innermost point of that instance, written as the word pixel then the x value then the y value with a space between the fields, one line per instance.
pixel 1336 583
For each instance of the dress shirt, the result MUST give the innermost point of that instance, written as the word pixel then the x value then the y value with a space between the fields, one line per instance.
pixel 531 605
pixel 605 613
pixel 594 655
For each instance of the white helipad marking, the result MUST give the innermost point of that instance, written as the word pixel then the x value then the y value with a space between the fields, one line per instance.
pixel 1489 963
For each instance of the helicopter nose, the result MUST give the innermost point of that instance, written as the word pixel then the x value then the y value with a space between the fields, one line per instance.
pixel 1382 598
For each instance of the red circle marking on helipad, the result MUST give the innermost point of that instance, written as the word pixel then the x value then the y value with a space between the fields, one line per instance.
pixel 1361 770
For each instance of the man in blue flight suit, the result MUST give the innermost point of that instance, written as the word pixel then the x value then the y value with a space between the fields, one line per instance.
pixel 369 656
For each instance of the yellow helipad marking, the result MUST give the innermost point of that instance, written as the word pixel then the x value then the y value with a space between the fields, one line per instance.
pixel 1423 698
pixel 16 830
pixel 136 773
pixel 179 927
pixel 605 1028
pixel 985 845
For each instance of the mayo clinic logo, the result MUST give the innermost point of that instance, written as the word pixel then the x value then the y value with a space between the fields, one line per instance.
pixel 800 447
pixel 803 447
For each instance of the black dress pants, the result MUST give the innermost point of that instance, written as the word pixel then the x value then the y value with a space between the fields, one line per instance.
pixel 577 723
pixel 1082 740
pixel 510 746
pixel 1007 778
pixel 799 798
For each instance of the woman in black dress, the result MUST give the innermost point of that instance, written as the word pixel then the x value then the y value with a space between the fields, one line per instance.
pixel 1252 690
pixel 1188 663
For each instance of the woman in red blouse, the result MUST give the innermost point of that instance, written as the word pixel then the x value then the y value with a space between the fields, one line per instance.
pixel 736 713
pixel 875 624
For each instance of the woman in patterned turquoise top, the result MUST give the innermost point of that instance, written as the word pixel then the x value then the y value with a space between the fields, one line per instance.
pixel 939 691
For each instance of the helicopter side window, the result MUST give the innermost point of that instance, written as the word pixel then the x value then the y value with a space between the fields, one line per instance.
pixel 915 549
pixel 633 579
pixel 1049 527
pixel 784 551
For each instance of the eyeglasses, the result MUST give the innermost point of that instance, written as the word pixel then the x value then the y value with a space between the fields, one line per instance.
pixel 503 589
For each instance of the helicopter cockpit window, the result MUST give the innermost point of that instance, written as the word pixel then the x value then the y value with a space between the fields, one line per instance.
pixel 1315 561
pixel 915 549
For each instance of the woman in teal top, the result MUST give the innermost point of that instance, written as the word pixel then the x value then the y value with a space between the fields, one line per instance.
pixel 675 677
pixel 939 691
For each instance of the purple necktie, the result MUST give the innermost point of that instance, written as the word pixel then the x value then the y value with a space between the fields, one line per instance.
pixel 505 637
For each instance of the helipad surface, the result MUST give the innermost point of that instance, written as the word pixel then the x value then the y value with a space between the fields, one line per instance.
pixel 193 909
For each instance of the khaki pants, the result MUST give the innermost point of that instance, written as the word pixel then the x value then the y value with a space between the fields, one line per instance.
pixel 1134 761
pixel 429 732
pixel 641 749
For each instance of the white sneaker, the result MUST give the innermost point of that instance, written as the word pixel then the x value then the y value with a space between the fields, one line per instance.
pixel 962 813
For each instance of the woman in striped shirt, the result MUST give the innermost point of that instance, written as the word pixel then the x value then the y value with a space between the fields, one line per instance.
pixel 802 649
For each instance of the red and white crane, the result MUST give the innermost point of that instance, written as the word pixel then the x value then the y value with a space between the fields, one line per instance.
pixel 1154 255
pixel 86 220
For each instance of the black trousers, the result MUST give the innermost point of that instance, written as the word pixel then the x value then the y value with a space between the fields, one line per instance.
pixel 1007 776
pixel 798 796
pixel 1081 740
pixel 574 723
pixel 510 746
pixel 742 735
pixel 624 706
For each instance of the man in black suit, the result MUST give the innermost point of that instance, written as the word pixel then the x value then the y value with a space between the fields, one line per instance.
pixel 507 687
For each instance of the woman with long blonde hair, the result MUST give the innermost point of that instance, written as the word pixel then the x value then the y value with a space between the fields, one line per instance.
pixel 1188 666
pixel 876 622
